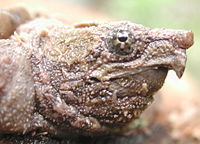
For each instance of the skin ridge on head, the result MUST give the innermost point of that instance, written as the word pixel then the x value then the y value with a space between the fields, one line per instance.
pixel 89 78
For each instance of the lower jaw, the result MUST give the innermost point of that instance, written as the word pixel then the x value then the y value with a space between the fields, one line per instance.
pixel 143 84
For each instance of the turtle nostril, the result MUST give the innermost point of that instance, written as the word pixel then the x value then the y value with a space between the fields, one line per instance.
pixel 184 40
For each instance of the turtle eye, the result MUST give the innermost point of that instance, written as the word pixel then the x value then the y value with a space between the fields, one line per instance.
pixel 120 42
pixel 122 37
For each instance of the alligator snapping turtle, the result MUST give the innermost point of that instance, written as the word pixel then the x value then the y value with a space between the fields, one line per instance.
pixel 83 79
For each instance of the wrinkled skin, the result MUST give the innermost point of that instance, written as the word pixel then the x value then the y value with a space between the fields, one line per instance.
pixel 88 79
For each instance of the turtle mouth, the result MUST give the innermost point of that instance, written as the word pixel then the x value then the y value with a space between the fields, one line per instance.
pixel 125 74
pixel 138 71
pixel 112 71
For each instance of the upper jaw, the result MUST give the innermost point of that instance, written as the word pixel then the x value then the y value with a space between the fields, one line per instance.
pixel 108 72
pixel 166 49
pixel 174 60
pixel 178 41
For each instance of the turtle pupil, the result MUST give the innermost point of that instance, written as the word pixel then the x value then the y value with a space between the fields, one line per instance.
pixel 122 38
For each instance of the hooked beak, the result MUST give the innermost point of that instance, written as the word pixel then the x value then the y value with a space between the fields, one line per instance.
pixel 177 42
pixel 179 65
pixel 182 41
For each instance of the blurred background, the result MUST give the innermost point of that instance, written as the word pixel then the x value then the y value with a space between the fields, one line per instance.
pixel 180 98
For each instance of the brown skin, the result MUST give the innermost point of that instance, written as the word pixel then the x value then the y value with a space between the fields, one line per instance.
pixel 88 79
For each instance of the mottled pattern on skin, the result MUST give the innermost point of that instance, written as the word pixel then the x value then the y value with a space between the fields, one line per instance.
pixel 88 79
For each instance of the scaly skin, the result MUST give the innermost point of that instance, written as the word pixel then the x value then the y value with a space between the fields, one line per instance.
pixel 87 79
